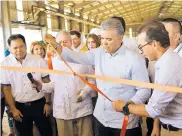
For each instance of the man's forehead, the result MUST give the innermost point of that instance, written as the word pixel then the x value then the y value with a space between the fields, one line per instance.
pixel 17 41
pixel 63 37
pixel 108 32
pixel 168 25
pixel 74 36
pixel 172 27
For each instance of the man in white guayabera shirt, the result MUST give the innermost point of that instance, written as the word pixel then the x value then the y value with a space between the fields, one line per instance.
pixel 72 104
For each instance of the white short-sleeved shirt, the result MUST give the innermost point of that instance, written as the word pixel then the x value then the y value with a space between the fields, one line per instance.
pixel 21 88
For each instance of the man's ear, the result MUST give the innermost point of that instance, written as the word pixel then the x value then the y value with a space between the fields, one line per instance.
pixel 156 44
pixel 121 37
pixel 9 48
pixel 177 37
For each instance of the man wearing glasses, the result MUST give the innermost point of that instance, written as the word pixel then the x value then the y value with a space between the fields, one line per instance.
pixel 167 106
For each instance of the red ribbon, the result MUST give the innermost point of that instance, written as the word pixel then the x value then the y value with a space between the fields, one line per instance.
pixel 125 124
pixel 49 61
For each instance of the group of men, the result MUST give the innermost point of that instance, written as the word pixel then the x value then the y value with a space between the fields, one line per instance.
pixel 114 59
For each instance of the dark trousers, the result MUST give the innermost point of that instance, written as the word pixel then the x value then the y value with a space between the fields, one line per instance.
pixel 2 111
pixel 107 131
pixel 33 112
pixel 94 120
pixel 149 122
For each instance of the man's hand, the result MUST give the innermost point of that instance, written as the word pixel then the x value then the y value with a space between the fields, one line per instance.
pixel 52 45
pixel 17 114
pixel 118 105
pixel 47 110
pixel 156 128
pixel 49 39
pixel 155 132
pixel 81 95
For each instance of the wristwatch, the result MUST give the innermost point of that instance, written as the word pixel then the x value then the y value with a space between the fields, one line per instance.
pixel 126 109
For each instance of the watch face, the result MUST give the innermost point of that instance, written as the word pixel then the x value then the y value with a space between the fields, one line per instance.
pixel 126 110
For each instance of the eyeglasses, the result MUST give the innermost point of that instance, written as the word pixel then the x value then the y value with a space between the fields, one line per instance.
pixel 141 46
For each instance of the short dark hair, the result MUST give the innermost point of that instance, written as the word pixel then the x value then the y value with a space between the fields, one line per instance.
pixel 121 19
pixel 173 20
pixel 73 32
pixel 155 30
pixel 14 37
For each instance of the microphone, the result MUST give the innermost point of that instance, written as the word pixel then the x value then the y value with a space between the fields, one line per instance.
pixel 30 77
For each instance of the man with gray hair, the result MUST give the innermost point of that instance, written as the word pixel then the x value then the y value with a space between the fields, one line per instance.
pixel 116 61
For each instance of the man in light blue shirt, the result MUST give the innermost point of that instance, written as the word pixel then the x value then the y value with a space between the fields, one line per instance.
pixel 167 106
pixel 116 61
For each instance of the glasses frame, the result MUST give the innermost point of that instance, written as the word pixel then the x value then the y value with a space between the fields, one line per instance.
pixel 141 47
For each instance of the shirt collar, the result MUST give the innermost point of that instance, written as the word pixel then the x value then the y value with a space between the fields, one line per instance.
pixel 121 50
pixel 15 60
pixel 178 48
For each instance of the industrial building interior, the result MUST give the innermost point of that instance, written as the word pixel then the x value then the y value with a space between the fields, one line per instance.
pixel 35 18
pixel 39 17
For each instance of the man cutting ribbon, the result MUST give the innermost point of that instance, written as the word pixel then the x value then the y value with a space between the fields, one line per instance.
pixel 112 60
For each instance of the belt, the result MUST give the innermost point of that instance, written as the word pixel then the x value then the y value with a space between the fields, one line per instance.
pixel 169 127
pixel 31 103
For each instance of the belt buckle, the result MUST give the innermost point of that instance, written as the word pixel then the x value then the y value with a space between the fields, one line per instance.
pixel 28 104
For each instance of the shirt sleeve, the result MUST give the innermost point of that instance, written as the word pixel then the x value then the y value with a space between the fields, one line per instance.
pixel 87 57
pixel 43 65
pixel 161 99
pixel 4 78
pixel 139 73
pixel 48 87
